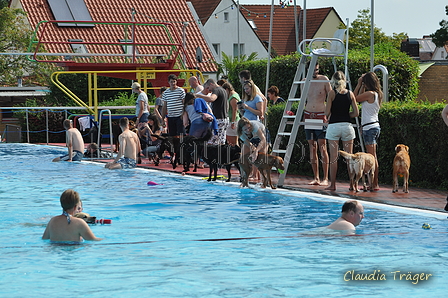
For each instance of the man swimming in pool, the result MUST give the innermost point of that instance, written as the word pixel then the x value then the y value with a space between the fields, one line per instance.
pixel 75 143
pixel 66 227
pixel 352 215
pixel 129 148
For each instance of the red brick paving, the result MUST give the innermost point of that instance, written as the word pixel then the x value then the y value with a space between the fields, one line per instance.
pixel 419 198
pixel 416 198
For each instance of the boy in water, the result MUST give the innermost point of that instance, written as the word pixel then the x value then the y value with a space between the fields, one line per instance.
pixel 66 227
pixel 129 148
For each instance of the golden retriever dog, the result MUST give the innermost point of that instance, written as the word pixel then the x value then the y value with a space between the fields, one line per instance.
pixel 264 164
pixel 359 164
pixel 402 163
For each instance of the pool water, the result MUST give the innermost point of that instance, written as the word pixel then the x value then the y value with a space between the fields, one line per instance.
pixel 192 238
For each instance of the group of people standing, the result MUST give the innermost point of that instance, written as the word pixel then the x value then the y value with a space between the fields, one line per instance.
pixel 332 103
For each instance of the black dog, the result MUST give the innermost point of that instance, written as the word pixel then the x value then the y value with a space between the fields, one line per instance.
pixel 223 155
pixel 170 144
pixel 191 149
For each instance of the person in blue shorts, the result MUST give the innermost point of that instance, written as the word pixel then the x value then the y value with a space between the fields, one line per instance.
pixel 74 141
pixel 129 148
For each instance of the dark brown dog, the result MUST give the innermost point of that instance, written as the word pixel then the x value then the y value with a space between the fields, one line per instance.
pixel 264 163
pixel 402 163
pixel 359 164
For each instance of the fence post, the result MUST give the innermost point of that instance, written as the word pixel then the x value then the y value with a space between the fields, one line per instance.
pixel 46 120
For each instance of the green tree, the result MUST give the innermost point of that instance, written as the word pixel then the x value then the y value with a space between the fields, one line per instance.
pixel 440 37
pixel 14 38
pixel 360 33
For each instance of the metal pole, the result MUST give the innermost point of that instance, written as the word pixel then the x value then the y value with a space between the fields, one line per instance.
pixel 46 120
pixel 372 28
pixel 304 20
pixel 296 26
pixel 268 69
pixel 27 127
pixel 238 28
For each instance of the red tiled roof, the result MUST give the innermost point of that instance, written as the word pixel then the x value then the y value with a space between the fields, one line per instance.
pixel 283 29
pixel 173 11
pixel 204 8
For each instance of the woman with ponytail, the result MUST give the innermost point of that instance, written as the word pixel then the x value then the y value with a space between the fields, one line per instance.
pixel 339 101
pixel 368 93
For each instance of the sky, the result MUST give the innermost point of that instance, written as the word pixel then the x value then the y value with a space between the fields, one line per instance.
pixel 414 17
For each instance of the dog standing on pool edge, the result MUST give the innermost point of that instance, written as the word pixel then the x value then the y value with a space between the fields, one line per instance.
pixel 402 163
pixel 359 164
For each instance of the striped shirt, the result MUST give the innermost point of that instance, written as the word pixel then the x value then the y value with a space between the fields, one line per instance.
pixel 174 101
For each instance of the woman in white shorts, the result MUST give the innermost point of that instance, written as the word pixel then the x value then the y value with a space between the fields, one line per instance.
pixel 339 101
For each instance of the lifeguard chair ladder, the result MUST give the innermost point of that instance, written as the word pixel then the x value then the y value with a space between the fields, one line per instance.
pixel 309 48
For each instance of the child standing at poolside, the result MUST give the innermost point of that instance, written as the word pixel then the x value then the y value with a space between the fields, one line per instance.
pixel 66 227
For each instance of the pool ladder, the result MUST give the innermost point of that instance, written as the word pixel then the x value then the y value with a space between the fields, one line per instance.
pixel 110 133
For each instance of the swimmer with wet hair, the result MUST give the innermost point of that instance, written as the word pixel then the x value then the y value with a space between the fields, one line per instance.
pixel 352 215
pixel 66 227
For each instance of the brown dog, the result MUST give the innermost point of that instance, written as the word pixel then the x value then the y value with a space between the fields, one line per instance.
pixel 359 164
pixel 264 163
pixel 245 170
pixel 402 163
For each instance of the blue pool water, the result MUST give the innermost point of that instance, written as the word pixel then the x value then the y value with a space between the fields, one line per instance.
pixel 151 249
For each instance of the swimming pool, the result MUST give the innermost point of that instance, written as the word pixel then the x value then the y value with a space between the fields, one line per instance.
pixel 151 249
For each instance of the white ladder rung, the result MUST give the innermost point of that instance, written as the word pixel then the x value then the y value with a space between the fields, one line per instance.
pixel 293 99
pixel 279 151
pixel 289 116
pixel 284 134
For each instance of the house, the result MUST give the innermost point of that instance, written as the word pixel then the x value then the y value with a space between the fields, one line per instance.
pixel 320 22
pixel 220 21
pixel 227 29
pixel 101 27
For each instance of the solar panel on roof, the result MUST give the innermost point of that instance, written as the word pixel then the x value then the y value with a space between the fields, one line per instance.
pixel 61 12
pixel 70 10
pixel 80 12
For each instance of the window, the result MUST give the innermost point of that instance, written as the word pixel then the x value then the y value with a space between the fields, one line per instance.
pixel 235 49
pixel 226 17
pixel 217 48
pixel 70 10
pixel 252 24
pixel 77 47
pixel 127 49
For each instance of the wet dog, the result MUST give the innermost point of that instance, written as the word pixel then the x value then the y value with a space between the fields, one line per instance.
pixel 221 155
pixel 402 163
pixel 360 164
pixel 264 163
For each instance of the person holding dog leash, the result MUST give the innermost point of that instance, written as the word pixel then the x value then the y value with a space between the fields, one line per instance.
pixel 368 93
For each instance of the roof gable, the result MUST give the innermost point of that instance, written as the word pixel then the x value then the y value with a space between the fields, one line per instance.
pixel 283 29
pixel 205 8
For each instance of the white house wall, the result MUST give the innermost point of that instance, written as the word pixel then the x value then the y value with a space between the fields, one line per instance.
pixel 225 33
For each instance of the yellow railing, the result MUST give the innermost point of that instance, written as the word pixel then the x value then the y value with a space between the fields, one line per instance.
pixel 142 77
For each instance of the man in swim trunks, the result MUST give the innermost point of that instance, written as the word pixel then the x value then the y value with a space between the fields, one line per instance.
pixel 75 143
pixel 129 148
pixel 66 227
pixel 315 109
pixel 352 215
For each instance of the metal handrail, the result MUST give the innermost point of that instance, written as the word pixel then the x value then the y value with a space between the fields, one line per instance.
pixel 110 131
pixel 385 72
pixel 62 109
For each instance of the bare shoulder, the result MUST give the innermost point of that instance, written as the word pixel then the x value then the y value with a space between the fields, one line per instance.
pixel 322 77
